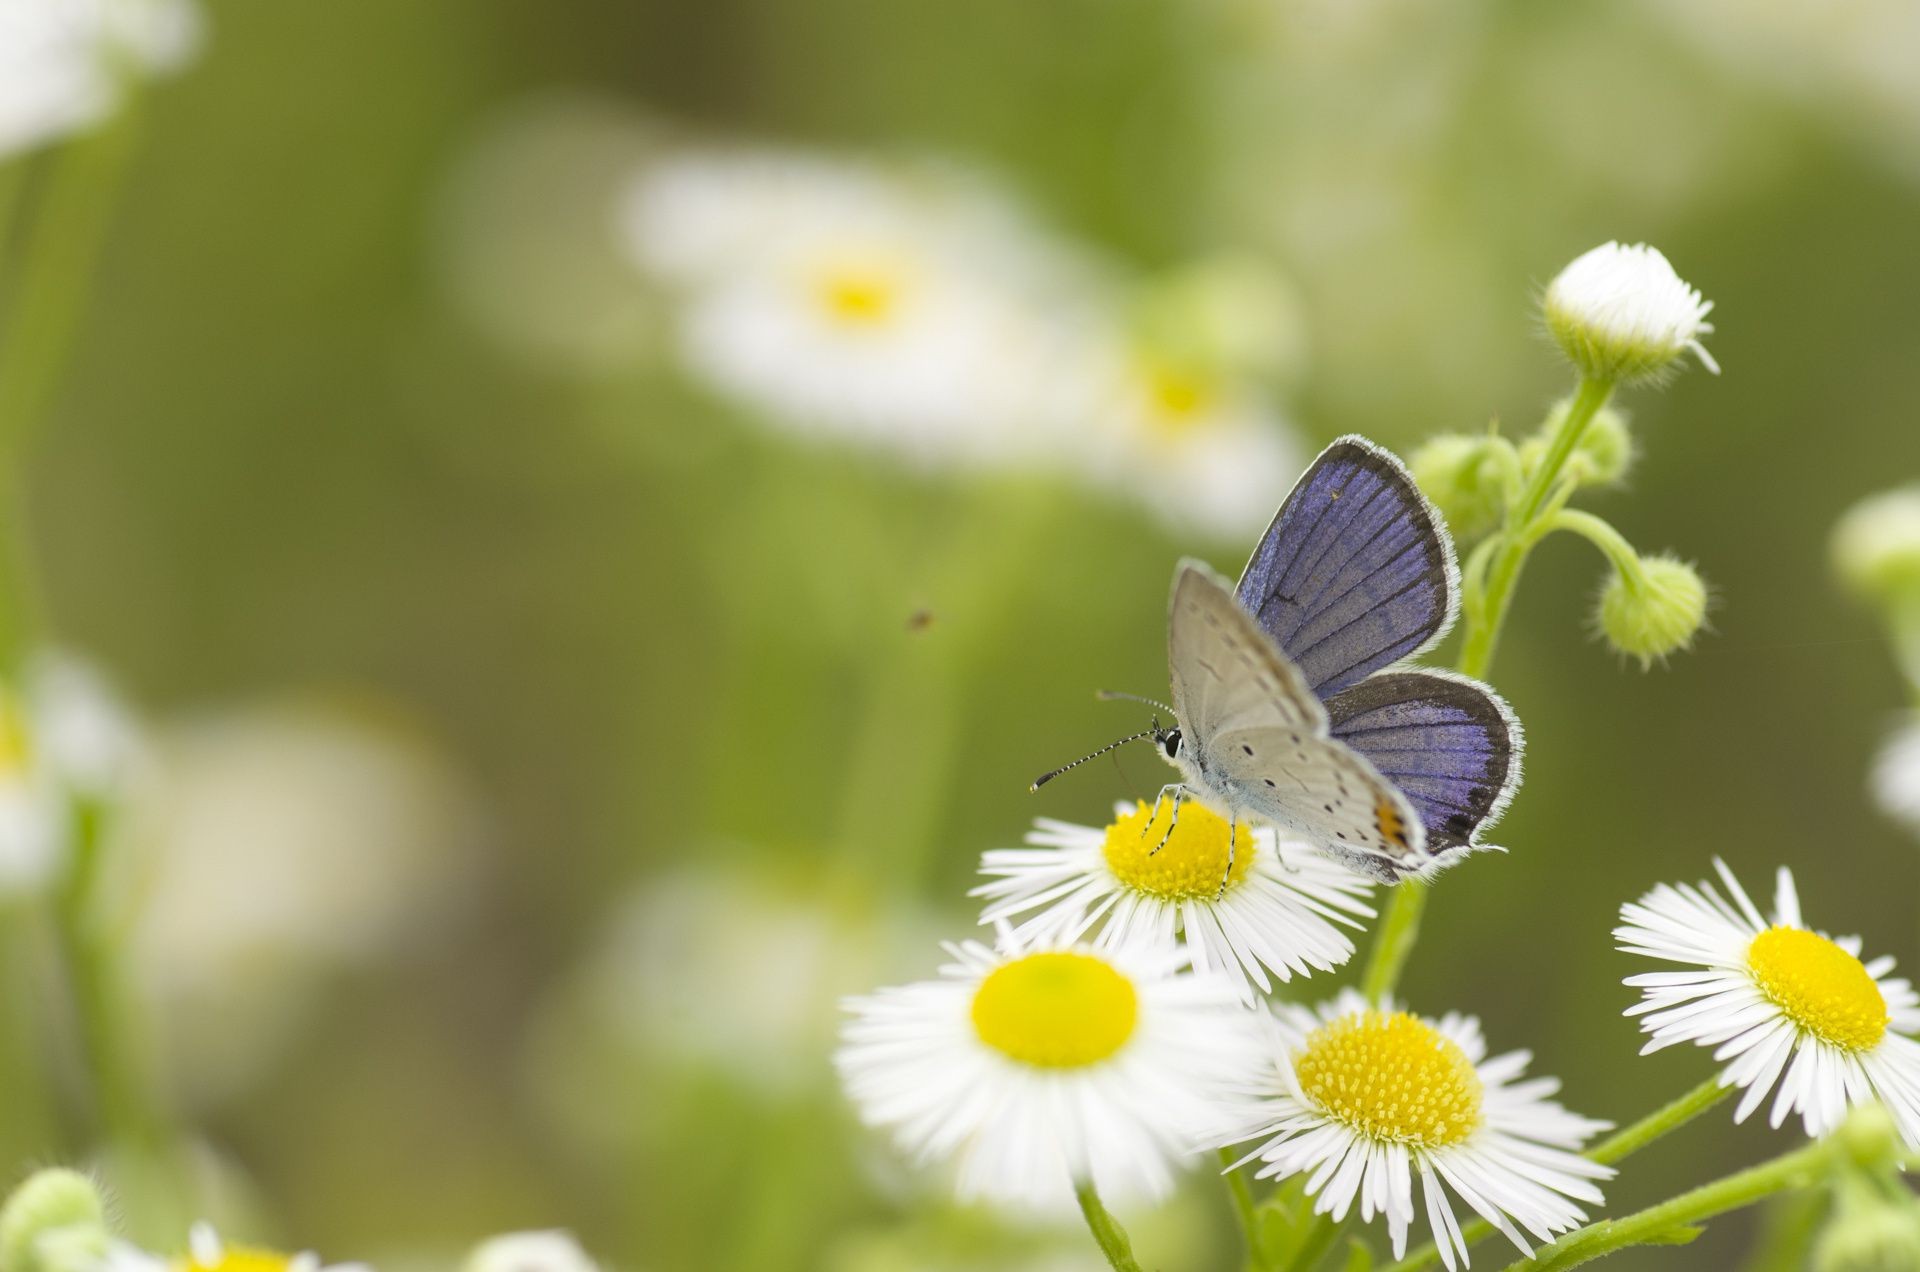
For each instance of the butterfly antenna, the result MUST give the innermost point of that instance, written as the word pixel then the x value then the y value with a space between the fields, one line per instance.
pixel 1112 695
pixel 1044 778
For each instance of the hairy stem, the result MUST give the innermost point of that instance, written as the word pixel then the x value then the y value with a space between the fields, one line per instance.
pixel 1106 1230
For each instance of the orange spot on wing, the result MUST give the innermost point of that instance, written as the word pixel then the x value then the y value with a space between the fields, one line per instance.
pixel 1387 817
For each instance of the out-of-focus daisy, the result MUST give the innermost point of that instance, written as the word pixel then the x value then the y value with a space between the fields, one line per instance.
pixel 1781 1003
pixel 1621 313
pixel 1361 1100
pixel 550 1251
pixel 64 63
pixel 1041 1066
pixel 1896 775
pixel 891 307
pixel 207 1252
pixel 1276 916
pixel 64 736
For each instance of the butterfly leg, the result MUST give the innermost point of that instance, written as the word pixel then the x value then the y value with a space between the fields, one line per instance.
pixel 1233 844
pixel 1154 815
pixel 1172 821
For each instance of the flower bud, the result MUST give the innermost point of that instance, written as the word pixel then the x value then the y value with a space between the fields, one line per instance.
pixel 1466 477
pixel 1602 456
pixel 54 1222
pixel 1621 314
pixel 1656 613
pixel 1876 545
pixel 1875 1226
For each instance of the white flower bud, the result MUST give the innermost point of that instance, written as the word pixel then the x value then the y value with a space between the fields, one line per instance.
pixel 551 1251
pixel 1876 545
pixel 1655 614
pixel 1621 314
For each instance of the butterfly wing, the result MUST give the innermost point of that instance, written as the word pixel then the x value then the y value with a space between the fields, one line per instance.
pixel 1356 571
pixel 1448 742
pixel 1255 737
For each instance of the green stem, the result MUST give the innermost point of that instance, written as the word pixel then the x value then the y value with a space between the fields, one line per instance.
pixel 1661 1122
pixel 1393 940
pixel 1612 544
pixel 1487 611
pixel 1243 1209
pixel 1801 1168
pixel 68 226
pixel 1321 1236
pixel 1106 1230
pixel 126 1115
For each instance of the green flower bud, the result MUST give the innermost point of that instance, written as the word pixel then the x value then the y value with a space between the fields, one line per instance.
pixel 1467 479
pixel 1876 545
pixel 54 1222
pixel 1875 1227
pixel 1656 613
pixel 1602 456
pixel 1621 314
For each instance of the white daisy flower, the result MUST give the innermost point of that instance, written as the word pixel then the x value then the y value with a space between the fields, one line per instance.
pixel 1362 1100
pixel 206 1252
pixel 1039 1066
pixel 1266 915
pixel 63 62
pixel 548 1251
pixel 1621 313
pixel 887 307
pixel 1783 1004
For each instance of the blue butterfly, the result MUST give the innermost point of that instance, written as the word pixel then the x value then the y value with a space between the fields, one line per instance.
pixel 1288 703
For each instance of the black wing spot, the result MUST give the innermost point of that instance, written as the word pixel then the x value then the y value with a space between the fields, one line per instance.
pixel 1267 780
pixel 1247 749
pixel 1339 834
pixel 1328 807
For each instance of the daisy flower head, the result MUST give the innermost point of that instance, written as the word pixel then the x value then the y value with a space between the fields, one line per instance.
pixel 63 62
pixel 1266 918
pixel 1363 1099
pixel 207 1252
pixel 1041 1066
pixel 1781 1003
pixel 1620 312
pixel 543 1251
pixel 885 306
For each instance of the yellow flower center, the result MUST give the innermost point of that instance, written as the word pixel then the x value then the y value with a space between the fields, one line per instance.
pixel 859 290
pixel 1393 1078
pixel 1056 1010
pixel 237 1259
pixel 1191 865
pixel 16 747
pixel 1179 398
pixel 1822 988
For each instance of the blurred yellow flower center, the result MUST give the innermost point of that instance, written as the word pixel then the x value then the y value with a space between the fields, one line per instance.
pixel 860 291
pixel 1393 1078
pixel 237 1259
pixel 1178 398
pixel 1056 1010
pixel 1191 865
pixel 15 746
pixel 1821 987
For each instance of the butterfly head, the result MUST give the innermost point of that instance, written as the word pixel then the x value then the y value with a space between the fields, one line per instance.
pixel 1167 739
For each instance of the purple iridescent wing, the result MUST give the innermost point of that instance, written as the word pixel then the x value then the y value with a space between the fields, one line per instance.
pixel 1449 743
pixel 1357 570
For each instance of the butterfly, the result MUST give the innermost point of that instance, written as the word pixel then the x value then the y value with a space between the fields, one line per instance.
pixel 1289 703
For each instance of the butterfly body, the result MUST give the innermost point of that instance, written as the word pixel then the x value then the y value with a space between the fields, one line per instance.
pixel 1290 706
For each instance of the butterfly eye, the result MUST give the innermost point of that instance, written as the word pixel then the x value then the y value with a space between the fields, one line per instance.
pixel 1171 741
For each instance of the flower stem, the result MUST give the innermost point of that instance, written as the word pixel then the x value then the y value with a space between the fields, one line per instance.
pixel 1487 611
pixel 1106 1230
pixel 1662 1121
pixel 1393 940
pixel 1801 1168
pixel 1242 1194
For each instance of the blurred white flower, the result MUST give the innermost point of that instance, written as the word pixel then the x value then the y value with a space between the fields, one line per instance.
pixel 63 62
pixel 1040 1067
pixel 551 1251
pixel 274 845
pixel 63 736
pixel 1876 545
pixel 1621 313
pixel 889 307
pixel 1896 775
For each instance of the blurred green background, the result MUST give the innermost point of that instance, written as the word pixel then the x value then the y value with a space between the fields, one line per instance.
pixel 716 779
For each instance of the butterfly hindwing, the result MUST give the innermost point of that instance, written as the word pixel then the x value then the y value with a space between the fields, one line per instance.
pixel 1256 737
pixel 1356 571
pixel 1448 742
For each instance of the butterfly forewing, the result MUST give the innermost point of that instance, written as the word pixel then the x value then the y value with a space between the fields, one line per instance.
pixel 1256 736
pixel 1356 571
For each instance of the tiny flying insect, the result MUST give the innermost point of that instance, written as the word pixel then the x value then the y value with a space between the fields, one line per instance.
pixel 1289 703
